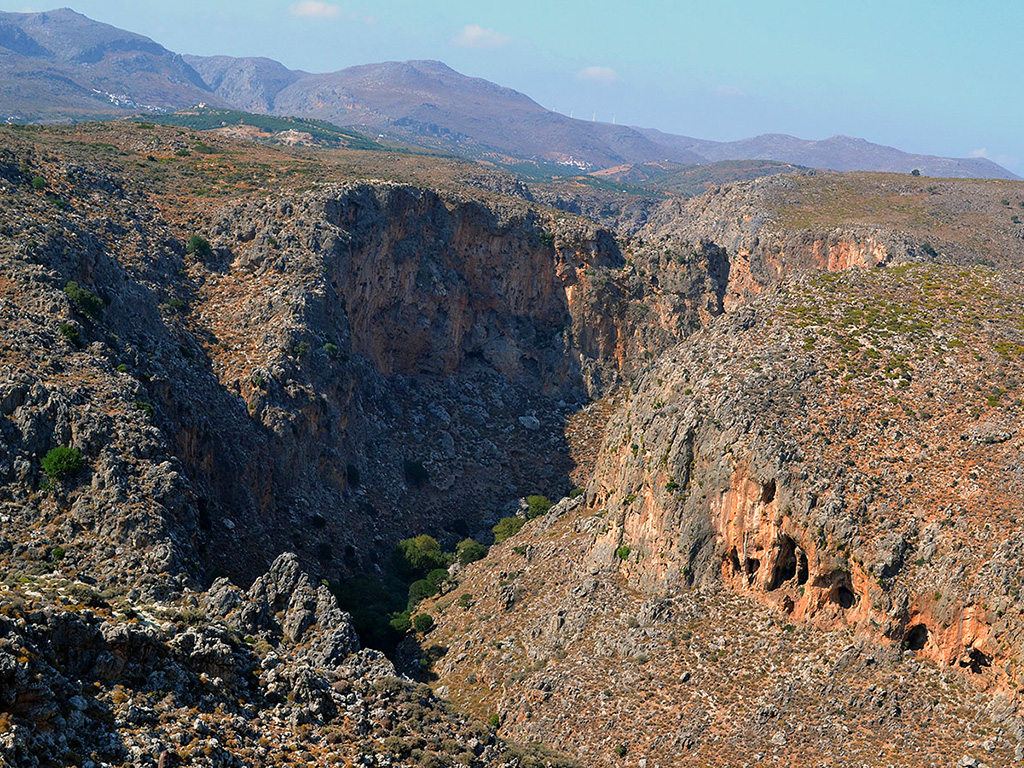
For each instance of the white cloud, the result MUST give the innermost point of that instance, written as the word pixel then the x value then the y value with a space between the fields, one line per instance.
pixel 602 75
pixel 978 153
pixel 313 9
pixel 730 91
pixel 475 36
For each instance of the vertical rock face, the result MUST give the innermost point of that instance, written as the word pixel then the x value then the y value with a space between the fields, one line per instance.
pixel 788 453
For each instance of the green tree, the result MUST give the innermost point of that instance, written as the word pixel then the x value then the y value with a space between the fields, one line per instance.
pixel 423 623
pixel 199 246
pixel 538 506
pixel 61 462
pixel 469 551
pixel 83 300
pixel 419 556
pixel 506 527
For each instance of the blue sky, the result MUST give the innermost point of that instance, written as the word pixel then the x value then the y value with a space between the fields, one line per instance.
pixel 939 77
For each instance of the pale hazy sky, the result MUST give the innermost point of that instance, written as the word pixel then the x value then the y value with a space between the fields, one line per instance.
pixel 940 77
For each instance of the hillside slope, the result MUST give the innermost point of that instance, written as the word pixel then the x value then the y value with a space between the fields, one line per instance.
pixel 218 352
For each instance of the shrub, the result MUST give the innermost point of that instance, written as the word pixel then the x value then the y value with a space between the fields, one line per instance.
pixel 401 622
pixel 915 172
pixel 83 300
pixel 494 720
pixel 199 246
pixel 623 552
pixel 70 332
pixel 437 577
pixel 469 551
pixel 331 350
pixel 465 600
pixel 301 349
pixel 60 462
pixel 538 506
pixel 38 182
pixel 423 623
pixel 621 749
pixel 506 527
pixel 122 368
pixel 146 408
pixel 419 556
pixel 419 591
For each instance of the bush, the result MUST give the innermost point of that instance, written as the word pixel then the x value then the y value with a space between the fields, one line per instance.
pixel 494 720
pixel 85 301
pixel 623 552
pixel 331 350
pixel 469 551
pixel 506 527
pixel 401 622
pixel 146 408
pixel 70 332
pixel 419 556
pixel 423 623
pixel 38 182
pixel 437 577
pixel 538 506
pixel 61 462
pixel 199 246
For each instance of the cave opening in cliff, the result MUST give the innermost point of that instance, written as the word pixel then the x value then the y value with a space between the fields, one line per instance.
pixel 752 564
pixel 843 596
pixel 768 492
pixel 790 564
pixel 734 560
pixel 916 637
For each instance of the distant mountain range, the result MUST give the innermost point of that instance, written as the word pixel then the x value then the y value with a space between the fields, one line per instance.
pixel 61 66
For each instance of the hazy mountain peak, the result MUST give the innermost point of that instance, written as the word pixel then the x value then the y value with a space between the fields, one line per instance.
pixel 423 101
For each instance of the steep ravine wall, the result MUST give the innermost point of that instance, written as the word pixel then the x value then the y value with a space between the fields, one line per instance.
pixel 705 478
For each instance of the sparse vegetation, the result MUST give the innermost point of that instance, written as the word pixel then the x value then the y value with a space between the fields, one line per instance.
pixel 537 506
pixel 84 301
pixel 198 245
pixel 469 550
pixel 507 527
pixel 62 462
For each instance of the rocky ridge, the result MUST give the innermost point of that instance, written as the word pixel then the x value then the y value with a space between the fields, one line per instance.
pixel 257 351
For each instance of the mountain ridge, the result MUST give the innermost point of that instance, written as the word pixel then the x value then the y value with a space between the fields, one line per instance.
pixel 59 65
